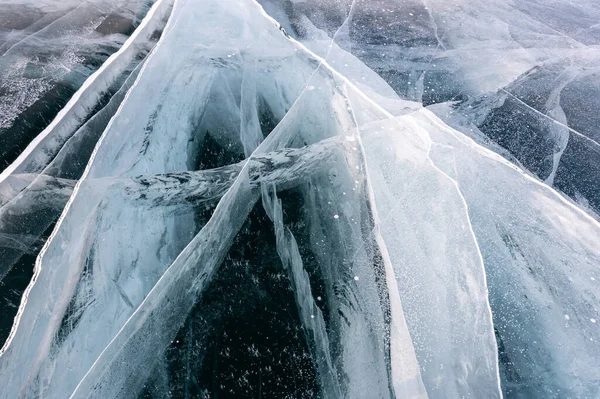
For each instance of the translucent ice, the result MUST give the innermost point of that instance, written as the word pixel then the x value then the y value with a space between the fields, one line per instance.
pixel 246 172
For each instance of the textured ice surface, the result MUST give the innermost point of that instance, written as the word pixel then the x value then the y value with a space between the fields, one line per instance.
pixel 522 74
pixel 541 255
pixel 262 216
pixel 61 150
pixel 47 50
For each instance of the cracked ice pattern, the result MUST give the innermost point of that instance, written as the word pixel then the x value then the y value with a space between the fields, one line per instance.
pixel 264 211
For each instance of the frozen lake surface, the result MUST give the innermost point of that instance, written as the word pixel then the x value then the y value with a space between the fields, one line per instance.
pixel 299 199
